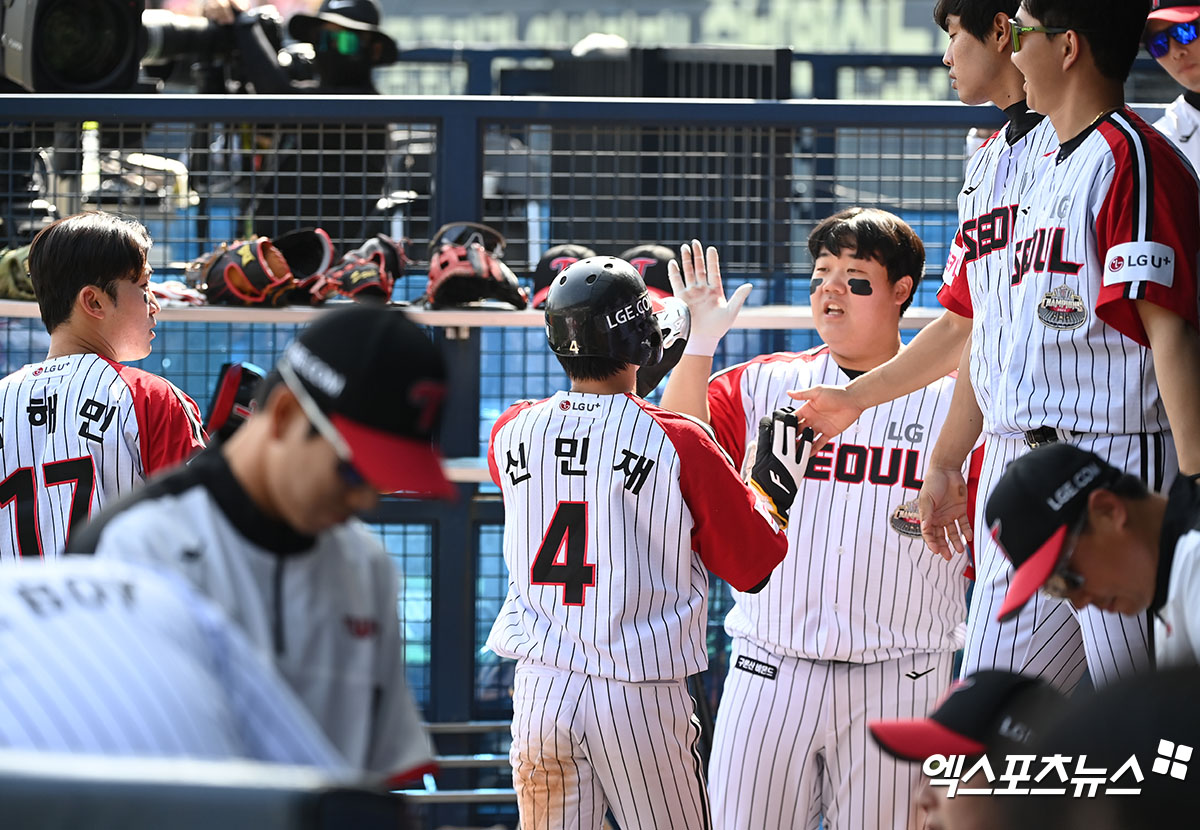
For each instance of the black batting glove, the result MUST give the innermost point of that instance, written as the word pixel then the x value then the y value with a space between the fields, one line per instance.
pixel 780 461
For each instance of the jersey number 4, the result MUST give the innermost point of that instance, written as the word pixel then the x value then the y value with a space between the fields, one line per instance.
pixel 20 490
pixel 562 558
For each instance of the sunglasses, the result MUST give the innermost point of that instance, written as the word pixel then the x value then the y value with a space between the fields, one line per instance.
pixel 1063 581
pixel 342 41
pixel 463 234
pixel 1018 30
pixel 349 474
pixel 1181 33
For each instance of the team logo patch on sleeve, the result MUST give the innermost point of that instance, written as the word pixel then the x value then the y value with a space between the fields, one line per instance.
pixel 1140 262
pixel 954 261
pixel 1061 309
pixel 756 667
pixel 906 520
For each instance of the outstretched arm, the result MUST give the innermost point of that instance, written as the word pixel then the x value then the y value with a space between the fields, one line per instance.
pixel 932 354
pixel 698 283
pixel 945 519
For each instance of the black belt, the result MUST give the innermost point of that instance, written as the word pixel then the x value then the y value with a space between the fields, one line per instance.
pixel 1040 437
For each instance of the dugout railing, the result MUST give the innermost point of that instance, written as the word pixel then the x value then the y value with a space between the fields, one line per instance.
pixel 749 177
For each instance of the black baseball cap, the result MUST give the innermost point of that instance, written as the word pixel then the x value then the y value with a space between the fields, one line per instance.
pixel 552 264
pixel 380 380
pixel 987 712
pixel 1174 11
pixel 356 15
pixel 651 260
pixel 1035 504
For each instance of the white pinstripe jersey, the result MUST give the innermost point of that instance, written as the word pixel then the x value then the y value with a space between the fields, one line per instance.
pixel 613 508
pixel 1112 217
pixel 858 584
pixel 979 263
pixel 78 431
pixel 108 658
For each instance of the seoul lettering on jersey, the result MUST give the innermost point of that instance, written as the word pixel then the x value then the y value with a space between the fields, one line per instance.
pixel 1043 253
pixel 854 532
pixel 987 233
pixel 1114 219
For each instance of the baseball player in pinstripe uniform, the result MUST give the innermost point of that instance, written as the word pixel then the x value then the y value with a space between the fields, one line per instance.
pixel 80 428
pixel 860 622
pixel 107 658
pixel 614 511
pixel 978 56
pixel 263 524
pixel 1094 340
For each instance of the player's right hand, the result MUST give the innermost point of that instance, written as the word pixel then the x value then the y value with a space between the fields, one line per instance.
pixel 780 461
pixel 945 522
pixel 698 284
pixel 828 410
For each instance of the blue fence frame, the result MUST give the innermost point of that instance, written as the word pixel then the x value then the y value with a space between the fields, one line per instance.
pixel 457 194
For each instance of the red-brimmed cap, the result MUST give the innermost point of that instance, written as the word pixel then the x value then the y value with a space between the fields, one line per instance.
pixel 380 381
pixel 395 464
pixel 1039 498
pixel 989 711
pixel 1028 579
pixel 1174 12
pixel 918 738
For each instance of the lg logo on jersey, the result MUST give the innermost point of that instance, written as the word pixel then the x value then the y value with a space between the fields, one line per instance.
pixel 912 433
pixel 579 407
pixel 49 370
pixel 1139 261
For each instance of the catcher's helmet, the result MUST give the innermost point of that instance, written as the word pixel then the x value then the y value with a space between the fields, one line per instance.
pixel 599 307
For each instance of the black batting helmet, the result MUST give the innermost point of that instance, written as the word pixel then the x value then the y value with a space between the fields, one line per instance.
pixel 599 307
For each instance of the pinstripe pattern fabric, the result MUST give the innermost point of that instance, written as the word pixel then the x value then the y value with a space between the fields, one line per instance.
pixel 74 431
pixel 1048 638
pixel 647 488
pixel 105 658
pixel 858 583
pixel 1114 220
pixel 584 744
pixel 792 748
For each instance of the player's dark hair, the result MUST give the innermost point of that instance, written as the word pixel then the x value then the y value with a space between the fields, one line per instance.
pixel 591 368
pixel 974 16
pixel 1112 28
pixel 873 234
pixel 86 249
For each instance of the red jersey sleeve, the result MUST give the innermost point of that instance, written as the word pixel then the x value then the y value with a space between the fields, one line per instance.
pixel 504 418
pixel 169 427
pixel 955 293
pixel 726 411
pixel 1147 228
pixel 732 533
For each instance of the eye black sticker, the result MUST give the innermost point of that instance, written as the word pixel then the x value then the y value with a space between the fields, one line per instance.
pixel 861 287
pixel 814 284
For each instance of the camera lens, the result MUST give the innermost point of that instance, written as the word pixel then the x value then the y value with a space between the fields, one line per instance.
pixel 82 43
